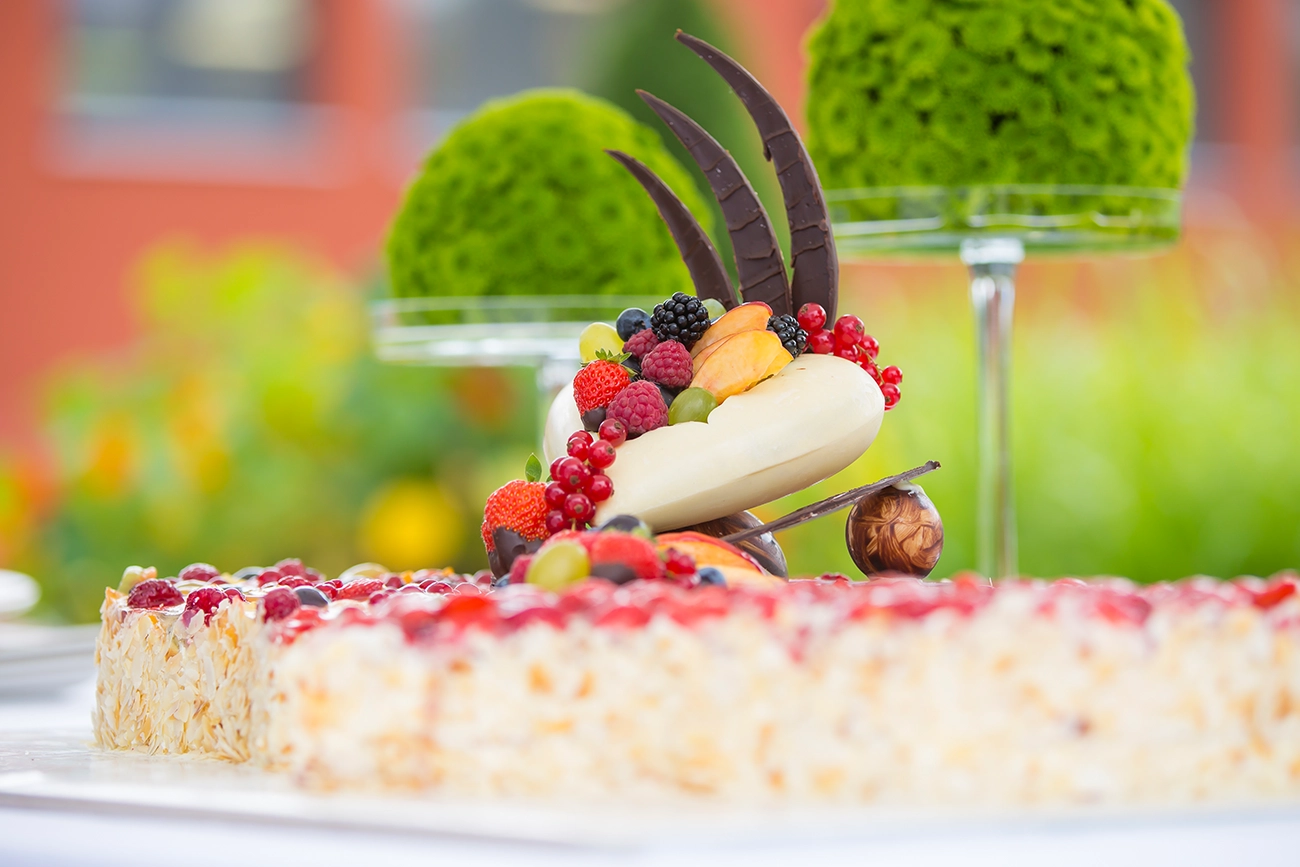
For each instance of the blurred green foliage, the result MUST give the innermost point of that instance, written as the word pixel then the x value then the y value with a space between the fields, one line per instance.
pixel 955 93
pixel 1155 410
pixel 521 199
pixel 251 423
pixel 641 53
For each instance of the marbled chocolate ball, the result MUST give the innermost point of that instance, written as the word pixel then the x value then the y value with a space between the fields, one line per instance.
pixel 896 530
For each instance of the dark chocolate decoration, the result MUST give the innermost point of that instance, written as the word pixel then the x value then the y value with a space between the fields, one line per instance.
pixel 830 504
pixel 615 572
pixel 510 546
pixel 815 265
pixel 701 258
pixel 762 548
pixel 758 255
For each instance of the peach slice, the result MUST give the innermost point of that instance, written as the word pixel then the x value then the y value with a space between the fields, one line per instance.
pixel 734 564
pixel 750 316
pixel 740 363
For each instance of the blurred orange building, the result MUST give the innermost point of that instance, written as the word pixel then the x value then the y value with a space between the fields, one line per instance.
pixel 126 122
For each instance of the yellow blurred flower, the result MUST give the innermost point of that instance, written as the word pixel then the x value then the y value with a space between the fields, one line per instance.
pixel 410 524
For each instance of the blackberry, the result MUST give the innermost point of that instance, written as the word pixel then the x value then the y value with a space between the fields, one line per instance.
pixel 682 318
pixel 793 338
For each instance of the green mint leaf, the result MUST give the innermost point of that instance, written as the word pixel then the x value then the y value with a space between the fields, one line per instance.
pixel 533 469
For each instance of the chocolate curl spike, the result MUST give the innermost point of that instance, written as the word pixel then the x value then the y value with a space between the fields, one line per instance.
pixel 815 266
pixel 758 255
pixel 830 504
pixel 702 260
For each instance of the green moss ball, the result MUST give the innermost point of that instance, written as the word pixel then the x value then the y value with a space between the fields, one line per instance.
pixel 965 92
pixel 521 199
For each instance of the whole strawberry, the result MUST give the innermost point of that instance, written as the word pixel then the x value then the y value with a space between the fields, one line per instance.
pixel 622 557
pixel 598 382
pixel 668 364
pixel 519 506
pixel 640 407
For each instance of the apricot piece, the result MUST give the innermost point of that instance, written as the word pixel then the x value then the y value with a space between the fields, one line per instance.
pixel 750 316
pixel 741 363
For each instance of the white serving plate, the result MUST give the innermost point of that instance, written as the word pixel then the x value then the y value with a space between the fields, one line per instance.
pixel 62 772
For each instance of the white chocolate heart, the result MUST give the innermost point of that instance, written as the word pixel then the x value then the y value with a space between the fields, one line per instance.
pixel 811 420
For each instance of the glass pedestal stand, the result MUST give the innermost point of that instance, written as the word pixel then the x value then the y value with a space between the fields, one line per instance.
pixel 537 331
pixel 991 229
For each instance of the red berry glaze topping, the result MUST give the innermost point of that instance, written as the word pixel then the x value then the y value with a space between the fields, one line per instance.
pixel 279 604
pixel 206 600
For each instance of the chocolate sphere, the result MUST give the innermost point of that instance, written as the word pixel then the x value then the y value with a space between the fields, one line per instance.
pixel 895 530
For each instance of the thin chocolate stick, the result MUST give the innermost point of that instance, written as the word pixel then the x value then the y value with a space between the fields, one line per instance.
pixel 830 504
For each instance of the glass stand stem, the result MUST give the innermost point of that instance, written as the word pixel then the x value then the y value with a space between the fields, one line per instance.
pixel 992 264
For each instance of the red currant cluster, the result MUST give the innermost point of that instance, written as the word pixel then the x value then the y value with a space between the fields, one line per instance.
pixel 578 482
pixel 848 339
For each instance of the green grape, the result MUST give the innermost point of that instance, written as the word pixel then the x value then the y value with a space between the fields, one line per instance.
pixel 559 566
pixel 715 308
pixel 598 336
pixel 693 404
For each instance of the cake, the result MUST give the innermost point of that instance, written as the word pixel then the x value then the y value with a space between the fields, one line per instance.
pixel 895 691
pixel 637 636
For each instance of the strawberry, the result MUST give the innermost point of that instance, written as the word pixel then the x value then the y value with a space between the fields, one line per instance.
pixel 519 506
pixel 598 382
pixel 624 549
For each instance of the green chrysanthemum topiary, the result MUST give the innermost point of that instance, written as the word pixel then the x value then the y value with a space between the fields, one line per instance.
pixel 521 199
pixel 965 92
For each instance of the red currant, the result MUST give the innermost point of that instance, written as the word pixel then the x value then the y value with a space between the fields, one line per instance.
pixel 578 507
pixel 891 393
pixel 601 454
pixel 573 473
pixel 554 495
pixel 613 432
pixel 869 346
pixel 555 467
pixel 811 317
pixel 578 444
pixel 821 342
pixel 848 352
pixel 555 521
pixel 892 375
pixel 849 330
pixel 599 488
pixel 870 367
pixel 678 564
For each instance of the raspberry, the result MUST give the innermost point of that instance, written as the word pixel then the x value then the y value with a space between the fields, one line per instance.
pixel 205 599
pixel 679 565
pixel 640 407
pixel 279 604
pixel 154 593
pixel 291 566
pixel 668 364
pixel 597 383
pixel 519 506
pixel 199 572
pixel 640 344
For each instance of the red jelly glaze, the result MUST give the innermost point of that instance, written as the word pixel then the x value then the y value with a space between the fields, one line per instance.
pixel 154 593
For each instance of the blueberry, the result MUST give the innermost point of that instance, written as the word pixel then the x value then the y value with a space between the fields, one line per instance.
pixel 592 418
pixel 311 597
pixel 248 573
pixel 630 321
pixel 627 524
pixel 711 577
pixel 614 572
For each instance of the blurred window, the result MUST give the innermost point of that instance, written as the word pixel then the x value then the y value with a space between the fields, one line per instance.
pixel 185 86
pixel 468 51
